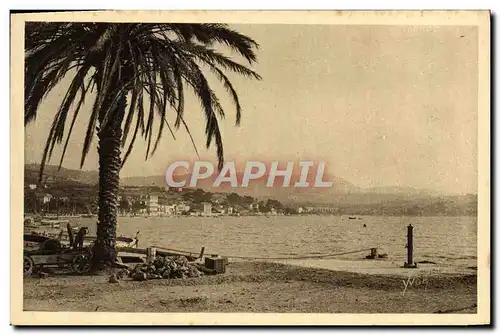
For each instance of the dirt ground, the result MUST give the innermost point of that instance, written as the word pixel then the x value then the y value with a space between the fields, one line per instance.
pixel 257 287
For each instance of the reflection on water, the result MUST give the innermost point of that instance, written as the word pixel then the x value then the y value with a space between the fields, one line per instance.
pixel 450 240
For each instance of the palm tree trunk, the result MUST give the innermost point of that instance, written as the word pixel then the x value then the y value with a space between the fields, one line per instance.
pixel 109 180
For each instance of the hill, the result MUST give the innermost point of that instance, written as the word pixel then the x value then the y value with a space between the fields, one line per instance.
pixel 52 175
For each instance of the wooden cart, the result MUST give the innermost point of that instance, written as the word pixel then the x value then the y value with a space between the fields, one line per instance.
pixel 52 253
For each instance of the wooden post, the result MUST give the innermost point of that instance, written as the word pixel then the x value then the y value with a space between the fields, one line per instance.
pixel 409 245
pixel 151 254
pixel 137 239
pixel 201 252
pixel 70 234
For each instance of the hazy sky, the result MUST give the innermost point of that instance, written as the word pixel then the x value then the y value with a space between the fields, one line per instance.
pixel 382 105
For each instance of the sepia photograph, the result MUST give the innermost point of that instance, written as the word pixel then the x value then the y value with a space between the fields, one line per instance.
pixel 250 167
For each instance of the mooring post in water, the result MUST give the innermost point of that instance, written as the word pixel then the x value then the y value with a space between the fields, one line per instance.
pixel 409 246
pixel 373 254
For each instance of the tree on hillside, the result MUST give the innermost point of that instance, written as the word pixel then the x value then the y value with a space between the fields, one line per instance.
pixel 124 205
pixel 30 201
pixel 122 65
pixel 272 203
pixel 197 196
pixel 247 200
pixel 138 205
pixel 234 199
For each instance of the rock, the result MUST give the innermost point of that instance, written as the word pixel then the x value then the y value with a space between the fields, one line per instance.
pixel 164 267
pixel 153 276
pixel 113 279
pixel 181 260
pixel 123 273
pixel 173 266
pixel 166 273
pixel 193 272
pixel 175 274
pixel 159 262
pixel 139 276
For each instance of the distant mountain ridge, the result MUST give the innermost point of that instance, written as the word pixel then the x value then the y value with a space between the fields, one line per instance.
pixel 340 187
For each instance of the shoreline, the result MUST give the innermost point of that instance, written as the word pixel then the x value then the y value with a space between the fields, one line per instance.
pixel 259 287
pixel 358 216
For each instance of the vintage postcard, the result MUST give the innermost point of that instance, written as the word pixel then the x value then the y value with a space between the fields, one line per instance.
pixel 250 168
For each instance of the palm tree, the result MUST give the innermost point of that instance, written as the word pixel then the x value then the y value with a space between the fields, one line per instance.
pixel 128 64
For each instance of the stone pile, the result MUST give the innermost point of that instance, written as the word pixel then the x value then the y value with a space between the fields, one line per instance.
pixel 165 267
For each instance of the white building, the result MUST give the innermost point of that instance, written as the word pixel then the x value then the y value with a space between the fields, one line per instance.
pixel 207 209
pixel 181 208
pixel 175 209
pixel 166 209
pixel 254 207
pixel 153 205
pixel 47 197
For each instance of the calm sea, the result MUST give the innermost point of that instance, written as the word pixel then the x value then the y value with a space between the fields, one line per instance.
pixel 443 240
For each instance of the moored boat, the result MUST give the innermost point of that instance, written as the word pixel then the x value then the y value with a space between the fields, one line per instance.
pixel 121 241
pixel 53 223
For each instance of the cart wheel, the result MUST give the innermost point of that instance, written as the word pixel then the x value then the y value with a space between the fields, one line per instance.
pixel 81 263
pixel 28 266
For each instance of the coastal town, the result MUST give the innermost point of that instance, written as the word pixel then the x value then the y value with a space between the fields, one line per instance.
pixel 155 201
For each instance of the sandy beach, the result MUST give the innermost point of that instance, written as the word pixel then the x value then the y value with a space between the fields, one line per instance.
pixel 259 287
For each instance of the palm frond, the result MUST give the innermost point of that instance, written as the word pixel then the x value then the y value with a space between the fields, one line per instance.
pixel 229 87
pixel 38 87
pixel 180 97
pixel 133 59
pixel 209 34
pixel 75 115
pixel 152 104
pixel 60 119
